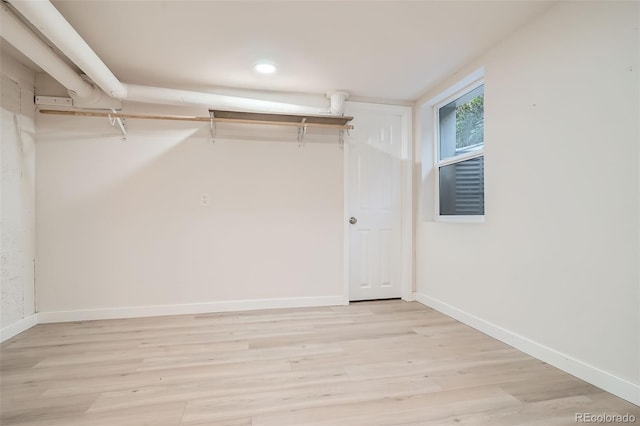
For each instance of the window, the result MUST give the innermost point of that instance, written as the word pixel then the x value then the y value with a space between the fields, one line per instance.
pixel 459 124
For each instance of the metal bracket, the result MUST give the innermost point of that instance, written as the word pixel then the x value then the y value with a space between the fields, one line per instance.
pixel 122 124
pixel 212 127
pixel 53 101
pixel 302 131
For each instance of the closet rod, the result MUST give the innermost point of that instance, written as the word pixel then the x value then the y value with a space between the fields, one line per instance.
pixel 189 118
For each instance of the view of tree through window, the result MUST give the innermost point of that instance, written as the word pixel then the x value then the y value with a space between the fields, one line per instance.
pixel 470 122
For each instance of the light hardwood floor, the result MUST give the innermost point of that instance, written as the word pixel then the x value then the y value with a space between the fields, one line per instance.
pixel 373 363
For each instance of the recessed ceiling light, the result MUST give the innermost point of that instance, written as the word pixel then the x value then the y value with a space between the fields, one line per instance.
pixel 265 68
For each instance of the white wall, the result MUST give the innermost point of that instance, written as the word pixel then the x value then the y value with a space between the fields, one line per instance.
pixel 555 268
pixel 17 215
pixel 120 226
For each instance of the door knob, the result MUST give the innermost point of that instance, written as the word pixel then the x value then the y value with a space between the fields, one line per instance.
pixel 353 220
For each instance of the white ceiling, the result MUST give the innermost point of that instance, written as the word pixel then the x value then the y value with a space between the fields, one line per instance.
pixel 392 50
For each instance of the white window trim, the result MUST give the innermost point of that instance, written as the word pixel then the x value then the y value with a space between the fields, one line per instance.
pixel 466 85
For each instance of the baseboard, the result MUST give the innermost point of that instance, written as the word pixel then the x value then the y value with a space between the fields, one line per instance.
pixel 589 373
pixel 18 327
pixel 191 308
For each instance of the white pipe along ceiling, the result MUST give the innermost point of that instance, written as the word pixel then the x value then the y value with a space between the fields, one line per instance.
pixel 43 15
pixel 23 39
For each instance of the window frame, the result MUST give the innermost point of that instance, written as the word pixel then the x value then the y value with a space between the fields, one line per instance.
pixel 445 98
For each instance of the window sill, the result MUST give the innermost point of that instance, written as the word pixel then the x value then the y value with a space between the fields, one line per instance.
pixel 460 219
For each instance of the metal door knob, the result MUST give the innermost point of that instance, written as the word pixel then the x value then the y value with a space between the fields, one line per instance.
pixel 353 220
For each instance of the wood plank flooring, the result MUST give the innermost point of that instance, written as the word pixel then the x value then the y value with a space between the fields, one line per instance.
pixel 374 364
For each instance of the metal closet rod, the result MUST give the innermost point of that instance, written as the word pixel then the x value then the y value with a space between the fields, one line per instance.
pixel 190 118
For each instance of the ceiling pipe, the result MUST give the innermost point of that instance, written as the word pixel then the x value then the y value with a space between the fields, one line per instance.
pixel 43 15
pixel 159 95
pixel 23 39
pixel 337 102
pixel 50 22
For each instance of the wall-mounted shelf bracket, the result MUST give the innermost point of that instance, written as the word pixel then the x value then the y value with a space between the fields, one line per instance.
pixel 212 126
pixel 122 124
pixel 302 131
pixel 53 101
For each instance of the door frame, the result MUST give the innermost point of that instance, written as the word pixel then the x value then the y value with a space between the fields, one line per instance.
pixel 406 194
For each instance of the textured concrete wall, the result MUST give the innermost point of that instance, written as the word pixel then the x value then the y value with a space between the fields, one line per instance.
pixel 17 196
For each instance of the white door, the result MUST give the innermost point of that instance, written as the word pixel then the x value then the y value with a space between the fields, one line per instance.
pixel 374 205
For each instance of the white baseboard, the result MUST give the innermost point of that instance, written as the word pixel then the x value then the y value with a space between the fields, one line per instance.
pixel 18 327
pixel 191 308
pixel 589 373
